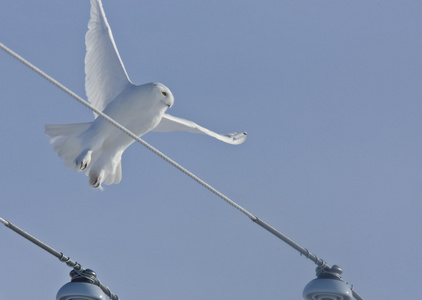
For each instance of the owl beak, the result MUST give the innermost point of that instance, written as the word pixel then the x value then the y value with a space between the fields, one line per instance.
pixel 168 101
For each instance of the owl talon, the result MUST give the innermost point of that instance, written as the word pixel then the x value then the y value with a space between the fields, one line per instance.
pixel 83 165
pixel 95 179
pixel 83 160
pixel 96 183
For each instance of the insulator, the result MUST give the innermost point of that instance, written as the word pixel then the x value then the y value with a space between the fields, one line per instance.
pixel 327 289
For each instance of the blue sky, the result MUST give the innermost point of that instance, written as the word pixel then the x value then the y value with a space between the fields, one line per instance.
pixel 330 95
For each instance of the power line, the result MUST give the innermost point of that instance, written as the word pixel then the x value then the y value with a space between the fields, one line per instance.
pixel 63 258
pixel 125 130
pixel 303 251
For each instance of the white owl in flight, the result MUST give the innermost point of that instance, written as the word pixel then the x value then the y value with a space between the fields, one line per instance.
pixel 97 147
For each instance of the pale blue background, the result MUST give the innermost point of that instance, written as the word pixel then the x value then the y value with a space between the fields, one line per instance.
pixel 330 95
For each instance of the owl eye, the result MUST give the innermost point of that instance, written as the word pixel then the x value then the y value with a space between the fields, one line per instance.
pixel 164 93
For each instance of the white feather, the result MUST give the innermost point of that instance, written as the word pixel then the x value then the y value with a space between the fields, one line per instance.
pixel 64 138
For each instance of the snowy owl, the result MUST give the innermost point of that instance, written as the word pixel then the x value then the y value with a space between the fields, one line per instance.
pixel 96 147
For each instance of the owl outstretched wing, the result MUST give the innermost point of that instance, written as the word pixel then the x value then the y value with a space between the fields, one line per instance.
pixel 105 74
pixel 171 123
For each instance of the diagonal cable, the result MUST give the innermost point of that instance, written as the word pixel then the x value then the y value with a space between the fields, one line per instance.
pixel 63 258
pixel 303 251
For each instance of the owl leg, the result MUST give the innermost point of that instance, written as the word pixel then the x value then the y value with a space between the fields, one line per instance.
pixel 96 179
pixel 83 159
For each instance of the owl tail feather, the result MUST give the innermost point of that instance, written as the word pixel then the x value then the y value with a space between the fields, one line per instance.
pixel 66 141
